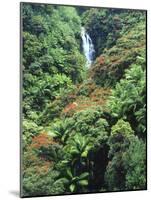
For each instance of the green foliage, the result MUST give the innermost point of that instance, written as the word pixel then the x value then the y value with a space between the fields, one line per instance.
pixel 127 165
pixel 30 129
pixel 32 48
pixel 43 90
pixel 59 129
pixel 51 153
pixel 128 99
pixel 78 146
pixel 35 184
pixel 73 182
pixel 52 60
pixel 91 124
pixel 119 141
pixel 105 26
pixel 73 141
pixel 122 127
pixel 135 165
pixel 109 67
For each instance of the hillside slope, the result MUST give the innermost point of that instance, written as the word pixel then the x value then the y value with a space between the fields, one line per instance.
pixel 84 129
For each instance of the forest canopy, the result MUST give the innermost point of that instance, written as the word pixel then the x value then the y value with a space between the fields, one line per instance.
pixel 84 123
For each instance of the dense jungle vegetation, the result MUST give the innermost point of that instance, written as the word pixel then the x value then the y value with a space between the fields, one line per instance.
pixel 84 129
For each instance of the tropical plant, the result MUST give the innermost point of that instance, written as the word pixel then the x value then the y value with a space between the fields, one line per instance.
pixel 135 165
pixel 83 128
pixel 75 183
pixel 119 141
pixel 78 146
pixel 128 99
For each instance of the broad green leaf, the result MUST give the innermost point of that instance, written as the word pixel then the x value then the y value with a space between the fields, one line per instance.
pixel 72 187
pixel 84 175
pixel 83 182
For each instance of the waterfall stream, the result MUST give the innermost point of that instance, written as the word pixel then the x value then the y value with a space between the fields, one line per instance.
pixel 88 47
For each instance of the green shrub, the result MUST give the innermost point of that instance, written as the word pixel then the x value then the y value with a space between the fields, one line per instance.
pixel 119 142
pixel 128 99
pixel 135 165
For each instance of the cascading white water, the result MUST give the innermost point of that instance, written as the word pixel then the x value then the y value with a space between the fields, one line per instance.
pixel 88 47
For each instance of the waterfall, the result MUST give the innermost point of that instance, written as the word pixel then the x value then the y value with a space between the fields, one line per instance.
pixel 88 47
